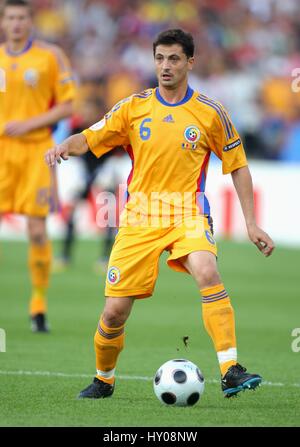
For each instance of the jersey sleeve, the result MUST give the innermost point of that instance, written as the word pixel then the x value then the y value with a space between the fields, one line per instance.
pixel 111 131
pixel 64 86
pixel 226 142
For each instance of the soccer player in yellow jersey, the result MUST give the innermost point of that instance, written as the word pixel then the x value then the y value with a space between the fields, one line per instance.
pixel 169 133
pixel 36 91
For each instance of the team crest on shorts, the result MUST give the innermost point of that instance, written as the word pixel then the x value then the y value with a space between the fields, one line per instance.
pixel 113 275
pixel 209 237
pixel 192 135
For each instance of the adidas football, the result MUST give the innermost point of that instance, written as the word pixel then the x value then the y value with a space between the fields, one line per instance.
pixel 178 382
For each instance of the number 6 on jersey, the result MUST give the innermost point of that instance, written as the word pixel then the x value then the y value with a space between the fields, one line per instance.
pixel 145 132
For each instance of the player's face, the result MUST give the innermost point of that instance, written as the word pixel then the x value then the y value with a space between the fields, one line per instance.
pixel 172 65
pixel 16 23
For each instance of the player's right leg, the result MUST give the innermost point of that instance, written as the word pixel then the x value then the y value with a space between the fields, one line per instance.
pixel 131 274
pixel 108 342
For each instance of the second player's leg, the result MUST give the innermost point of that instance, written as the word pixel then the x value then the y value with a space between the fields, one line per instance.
pixel 39 260
pixel 37 230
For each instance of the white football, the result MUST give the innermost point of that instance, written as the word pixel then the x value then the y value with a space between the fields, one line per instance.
pixel 178 382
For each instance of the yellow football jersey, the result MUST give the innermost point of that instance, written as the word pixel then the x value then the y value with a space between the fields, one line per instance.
pixel 32 81
pixel 170 146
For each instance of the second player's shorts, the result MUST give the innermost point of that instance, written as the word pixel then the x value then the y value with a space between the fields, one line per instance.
pixel 25 181
pixel 133 264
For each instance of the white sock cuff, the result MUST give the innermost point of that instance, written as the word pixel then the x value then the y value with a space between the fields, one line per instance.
pixel 226 356
pixel 106 374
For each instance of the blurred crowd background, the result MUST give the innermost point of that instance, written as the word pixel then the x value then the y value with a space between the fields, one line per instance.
pixel 247 57
pixel 246 51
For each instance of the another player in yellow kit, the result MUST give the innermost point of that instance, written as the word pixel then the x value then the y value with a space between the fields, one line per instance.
pixel 169 133
pixel 37 91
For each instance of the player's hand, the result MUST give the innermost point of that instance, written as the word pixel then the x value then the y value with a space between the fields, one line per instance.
pixel 261 239
pixel 17 128
pixel 56 154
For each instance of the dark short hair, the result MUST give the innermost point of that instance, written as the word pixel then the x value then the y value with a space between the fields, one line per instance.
pixel 25 3
pixel 176 36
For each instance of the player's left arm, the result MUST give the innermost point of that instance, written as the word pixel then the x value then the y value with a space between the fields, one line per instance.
pixel 243 184
pixel 228 146
pixel 47 119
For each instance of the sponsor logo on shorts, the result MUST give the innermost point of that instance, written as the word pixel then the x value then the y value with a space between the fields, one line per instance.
pixel 209 237
pixel 232 145
pixel 113 275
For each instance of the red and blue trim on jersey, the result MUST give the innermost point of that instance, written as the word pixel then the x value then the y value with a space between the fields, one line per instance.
pixel 201 199
pixel 144 94
pixel 129 151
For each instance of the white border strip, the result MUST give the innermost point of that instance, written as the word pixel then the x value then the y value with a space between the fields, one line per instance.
pixel 121 377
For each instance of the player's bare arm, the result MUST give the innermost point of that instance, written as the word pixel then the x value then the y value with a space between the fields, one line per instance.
pixel 74 145
pixel 243 184
pixel 52 116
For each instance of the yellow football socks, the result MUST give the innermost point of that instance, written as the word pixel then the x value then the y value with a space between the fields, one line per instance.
pixel 218 318
pixel 38 301
pixel 108 343
pixel 39 261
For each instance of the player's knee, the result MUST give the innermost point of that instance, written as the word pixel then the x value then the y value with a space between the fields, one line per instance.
pixel 114 317
pixel 37 238
pixel 37 231
pixel 207 276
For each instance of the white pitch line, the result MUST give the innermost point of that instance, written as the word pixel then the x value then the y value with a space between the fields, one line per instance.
pixel 121 377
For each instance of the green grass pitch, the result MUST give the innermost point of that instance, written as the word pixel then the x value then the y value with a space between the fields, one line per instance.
pixel 41 374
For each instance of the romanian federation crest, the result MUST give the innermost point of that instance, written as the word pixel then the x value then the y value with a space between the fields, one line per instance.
pixel 192 134
pixel 113 275
pixel 31 77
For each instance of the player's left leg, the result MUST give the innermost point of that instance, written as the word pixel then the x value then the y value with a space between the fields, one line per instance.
pixel 217 312
pixel 218 318
pixel 39 261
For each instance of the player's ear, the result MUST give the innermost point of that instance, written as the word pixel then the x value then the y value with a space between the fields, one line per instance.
pixel 191 61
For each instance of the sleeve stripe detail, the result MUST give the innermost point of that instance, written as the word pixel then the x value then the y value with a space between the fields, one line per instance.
pixel 221 113
pixel 224 118
pixel 229 121
pixel 57 53
pixel 63 81
pixel 144 94
pixel 224 114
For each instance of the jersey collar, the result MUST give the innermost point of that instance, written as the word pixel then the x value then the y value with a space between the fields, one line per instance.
pixel 24 50
pixel 187 97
